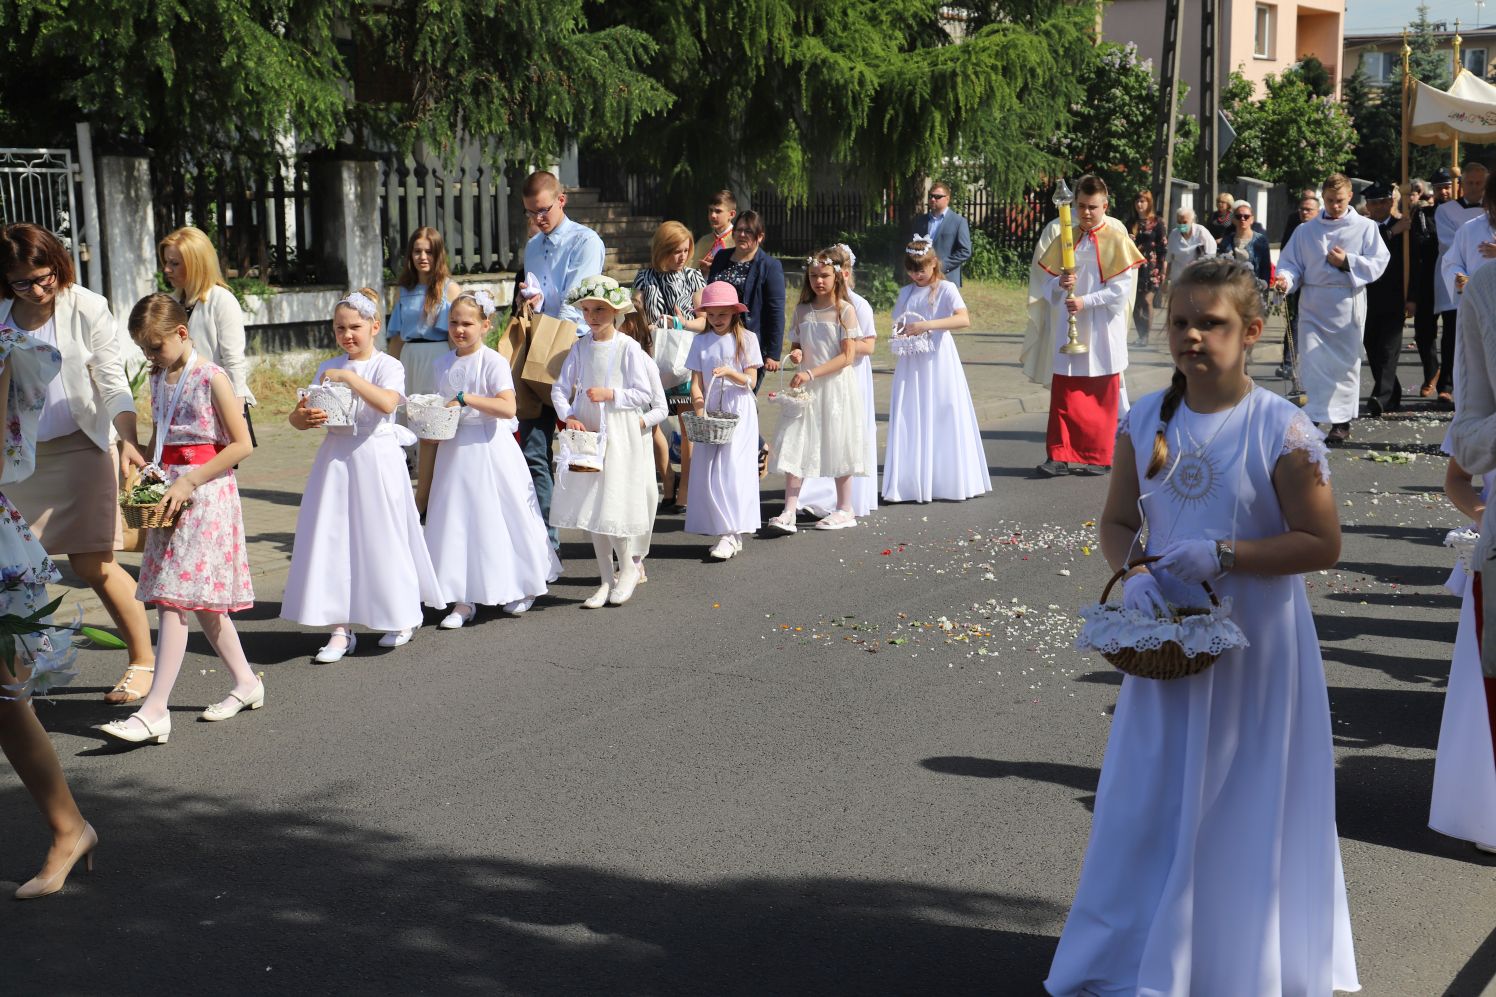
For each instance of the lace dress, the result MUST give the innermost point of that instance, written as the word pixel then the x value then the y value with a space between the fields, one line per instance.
pixel 818 495
pixel 824 438
pixel 1213 865
pixel 202 563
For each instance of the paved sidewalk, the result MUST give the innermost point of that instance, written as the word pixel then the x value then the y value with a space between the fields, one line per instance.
pixel 272 480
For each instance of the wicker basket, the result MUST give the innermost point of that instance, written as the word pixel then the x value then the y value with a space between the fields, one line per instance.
pixel 583 450
pixel 1169 660
pixel 146 517
pixel 333 398
pixel 431 418
pixel 714 428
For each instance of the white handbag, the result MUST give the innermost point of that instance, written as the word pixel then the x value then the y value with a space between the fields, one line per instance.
pixel 672 344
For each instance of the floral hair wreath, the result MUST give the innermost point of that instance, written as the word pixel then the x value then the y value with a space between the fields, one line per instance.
pixel 484 301
pixel 822 261
pixel 359 302
pixel 920 245
pixel 604 289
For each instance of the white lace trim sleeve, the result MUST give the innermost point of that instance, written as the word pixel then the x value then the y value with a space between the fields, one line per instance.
pixel 1304 435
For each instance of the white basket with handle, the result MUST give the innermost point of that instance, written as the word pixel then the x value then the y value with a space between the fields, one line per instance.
pixel 337 400
pixel 581 450
pixel 901 345
pixel 431 418
pixel 714 428
pixel 793 400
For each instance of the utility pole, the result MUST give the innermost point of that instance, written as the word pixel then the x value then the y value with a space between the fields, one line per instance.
pixel 1168 98
pixel 1210 103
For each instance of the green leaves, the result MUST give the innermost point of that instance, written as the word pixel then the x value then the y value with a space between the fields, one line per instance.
pixel 102 638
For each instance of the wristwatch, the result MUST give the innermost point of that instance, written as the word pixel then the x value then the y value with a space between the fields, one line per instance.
pixel 1225 555
pixel 461 401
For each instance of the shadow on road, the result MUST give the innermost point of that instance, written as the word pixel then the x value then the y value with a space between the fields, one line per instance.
pixel 285 899
pixel 1078 777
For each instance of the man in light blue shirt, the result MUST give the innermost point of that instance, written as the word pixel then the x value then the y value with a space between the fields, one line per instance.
pixel 561 254
pixel 558 256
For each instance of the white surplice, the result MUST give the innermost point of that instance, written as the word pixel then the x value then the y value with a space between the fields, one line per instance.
pixel 1449 218
pixel 1332 307
pixel 1464 256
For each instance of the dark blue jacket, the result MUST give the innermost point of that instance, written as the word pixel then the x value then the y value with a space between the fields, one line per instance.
pixel 1262 257
pixel 763 293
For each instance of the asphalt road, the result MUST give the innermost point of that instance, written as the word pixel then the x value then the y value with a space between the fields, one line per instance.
pixel 847 763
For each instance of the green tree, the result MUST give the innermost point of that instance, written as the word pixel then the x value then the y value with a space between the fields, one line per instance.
pixel 1112 129
pixel 1290 135
pixel 1376 116
pixel 1316 76
pixel 770 90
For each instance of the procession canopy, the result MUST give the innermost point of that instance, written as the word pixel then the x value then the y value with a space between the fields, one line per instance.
pixel 1465 112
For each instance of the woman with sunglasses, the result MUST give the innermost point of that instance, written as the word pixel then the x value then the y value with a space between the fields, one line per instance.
pixel 1247 244
pixel 72 500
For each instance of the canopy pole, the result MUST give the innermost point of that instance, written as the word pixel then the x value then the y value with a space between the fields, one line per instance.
pixel 1407 236
pixel 1454 148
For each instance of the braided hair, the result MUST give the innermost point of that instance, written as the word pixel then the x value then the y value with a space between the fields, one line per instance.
pixel 1234 281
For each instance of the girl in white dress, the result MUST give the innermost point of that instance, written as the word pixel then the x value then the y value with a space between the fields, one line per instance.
pixel 1464 802
pixel 605 387
pixel 825 436
pixel 934 448
pixel 818 495
pixel 483 525
pixel 724 477
pixel 359 556
pixel 1213 865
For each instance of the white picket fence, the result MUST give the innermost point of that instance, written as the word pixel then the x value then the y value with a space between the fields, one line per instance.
pixel 467 203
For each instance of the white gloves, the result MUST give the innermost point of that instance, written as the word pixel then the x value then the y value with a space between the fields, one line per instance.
pixel 1141 592
pixel 1191 561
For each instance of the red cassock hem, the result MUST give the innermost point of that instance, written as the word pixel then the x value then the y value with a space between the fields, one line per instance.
pixel 1083 418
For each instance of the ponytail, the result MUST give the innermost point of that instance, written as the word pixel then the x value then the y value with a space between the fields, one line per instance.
pixel 1166 411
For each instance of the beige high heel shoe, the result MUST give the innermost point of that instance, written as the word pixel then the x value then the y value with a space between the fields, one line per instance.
pixel 83 848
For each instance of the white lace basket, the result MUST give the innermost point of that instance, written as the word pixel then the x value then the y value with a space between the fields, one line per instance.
pixel 337 400
pixel 792 399
pixel 431 418
pixel 1462 541
pixel 911 346
pixel 581 450
pixel 1186 642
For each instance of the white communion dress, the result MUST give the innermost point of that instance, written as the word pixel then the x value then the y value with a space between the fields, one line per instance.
pixel 825 438
pixel 484 529
pixel 934 449
pixel 818 495
pixel 1464 800
pixel 724 477
pixel 360 556
pixel 1213 865
pixel 619 500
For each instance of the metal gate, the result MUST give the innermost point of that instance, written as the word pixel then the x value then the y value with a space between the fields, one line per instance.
pixel 42 186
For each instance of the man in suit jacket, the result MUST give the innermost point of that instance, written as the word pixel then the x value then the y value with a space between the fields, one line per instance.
pixel 948 230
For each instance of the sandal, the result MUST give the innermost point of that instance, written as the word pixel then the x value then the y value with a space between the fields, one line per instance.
pixel 124 690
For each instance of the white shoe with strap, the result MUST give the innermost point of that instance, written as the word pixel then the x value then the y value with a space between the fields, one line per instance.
pixel 235 704
pixel 140 731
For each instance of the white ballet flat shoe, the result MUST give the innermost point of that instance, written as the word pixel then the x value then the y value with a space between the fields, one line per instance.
pixel 327 654
pixel 234 705
pixel 518 607
pixel 597 599
pixel 397 638
pixel 624 589
pixel 142 731
pixel 725 549
pixel 457 617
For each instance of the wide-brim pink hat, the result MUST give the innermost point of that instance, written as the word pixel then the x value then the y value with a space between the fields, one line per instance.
pixel 721 294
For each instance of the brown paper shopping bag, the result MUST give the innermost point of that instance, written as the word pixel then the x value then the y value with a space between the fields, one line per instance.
pixel 550 340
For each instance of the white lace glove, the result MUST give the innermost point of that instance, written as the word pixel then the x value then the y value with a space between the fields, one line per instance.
pixel 1141 592
pixel 1191 561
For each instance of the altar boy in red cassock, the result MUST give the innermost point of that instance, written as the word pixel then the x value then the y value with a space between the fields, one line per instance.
pixel 1087 394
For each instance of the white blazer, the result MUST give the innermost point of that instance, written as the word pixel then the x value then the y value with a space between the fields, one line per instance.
pixel 93 372
pixel 217 330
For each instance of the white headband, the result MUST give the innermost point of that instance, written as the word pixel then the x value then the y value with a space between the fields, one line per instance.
pixel 485 302
pixel 919 246
pixel 360 303
pixel 851 256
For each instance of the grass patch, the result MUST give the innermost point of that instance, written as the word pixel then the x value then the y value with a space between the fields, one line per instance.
pixel 275 381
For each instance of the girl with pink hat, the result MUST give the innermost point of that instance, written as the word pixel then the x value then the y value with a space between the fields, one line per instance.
pixel 724 477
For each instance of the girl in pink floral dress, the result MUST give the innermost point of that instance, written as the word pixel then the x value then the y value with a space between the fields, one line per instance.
pixel 200 565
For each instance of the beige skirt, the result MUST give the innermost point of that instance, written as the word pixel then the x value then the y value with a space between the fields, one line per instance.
pixel 71 501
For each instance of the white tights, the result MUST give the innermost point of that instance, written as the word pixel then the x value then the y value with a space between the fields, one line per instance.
pixel 171 648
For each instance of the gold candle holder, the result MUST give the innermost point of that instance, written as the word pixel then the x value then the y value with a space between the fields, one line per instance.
pixel 1063 198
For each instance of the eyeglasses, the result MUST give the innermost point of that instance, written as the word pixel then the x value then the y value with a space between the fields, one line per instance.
pixel 1243 218
pixel 539 213
pixel 45 280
